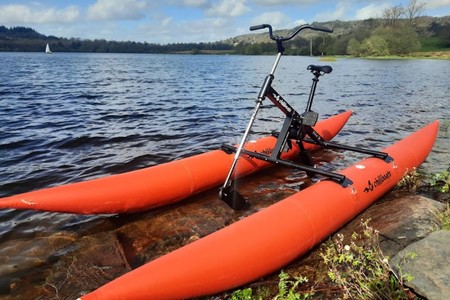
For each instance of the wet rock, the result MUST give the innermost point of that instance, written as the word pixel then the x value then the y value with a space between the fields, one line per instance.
pixel 429 265
pixel 5 286
pixel 33 253
pixel 399 220
pixel 159 232
pixel 88 263
pixel 91 262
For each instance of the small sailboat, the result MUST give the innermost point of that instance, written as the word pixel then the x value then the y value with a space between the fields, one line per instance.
pixel 47 49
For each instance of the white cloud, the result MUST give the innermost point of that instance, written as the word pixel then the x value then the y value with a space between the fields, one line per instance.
pixel 166 22
pixel 339 13
pixel 374 10
pixel 436 3
pixel 199 30
pixel 276 19
pixel 195 3
pixel 117 10
pixel 37 14
pixel 298 23
pixel 283 2
pixel 228 8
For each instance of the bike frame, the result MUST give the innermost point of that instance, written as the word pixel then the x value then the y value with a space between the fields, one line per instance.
pixel 296 127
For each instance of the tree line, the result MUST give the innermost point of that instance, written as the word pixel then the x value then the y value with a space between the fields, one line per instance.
pixel 396 36
pixel 28 40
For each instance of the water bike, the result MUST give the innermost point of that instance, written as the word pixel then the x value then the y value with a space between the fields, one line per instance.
pixel 297 128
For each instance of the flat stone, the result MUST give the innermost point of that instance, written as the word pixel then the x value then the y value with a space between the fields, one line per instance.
pixel 96 260
pixel 34 252
pixel 399 220
pixel 85 265
pixel 429 265
pixel 159 232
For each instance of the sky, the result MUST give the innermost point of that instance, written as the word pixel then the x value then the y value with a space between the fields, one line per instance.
pixel 181 21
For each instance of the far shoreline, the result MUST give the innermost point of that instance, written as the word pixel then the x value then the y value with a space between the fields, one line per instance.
pixel 439 55
pixel 443 55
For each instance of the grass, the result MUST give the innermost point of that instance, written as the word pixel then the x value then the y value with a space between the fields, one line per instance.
pixel 433 44
pixel 416 55
pixel 327 58
pixel 359 268
pixel 287 290
pixel 411 181
pixel 444 54
pixel 441 181
pixel 443 218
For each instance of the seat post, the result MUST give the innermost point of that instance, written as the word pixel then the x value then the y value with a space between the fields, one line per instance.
pixel 313 91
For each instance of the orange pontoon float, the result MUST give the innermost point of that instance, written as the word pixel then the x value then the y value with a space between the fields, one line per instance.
pixel 271 238
pixel 157 185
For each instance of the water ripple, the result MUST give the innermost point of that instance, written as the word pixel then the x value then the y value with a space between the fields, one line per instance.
pixel 71 117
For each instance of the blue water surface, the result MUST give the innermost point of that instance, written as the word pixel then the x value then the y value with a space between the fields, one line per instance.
pixel 70 117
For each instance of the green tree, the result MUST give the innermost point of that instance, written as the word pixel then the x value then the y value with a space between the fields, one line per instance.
pixel 325 42
pixel 375 46
pixel 400 39
pixel 354 47
pixel 254 49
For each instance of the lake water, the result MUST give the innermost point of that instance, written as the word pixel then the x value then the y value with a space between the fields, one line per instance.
pixel 70 117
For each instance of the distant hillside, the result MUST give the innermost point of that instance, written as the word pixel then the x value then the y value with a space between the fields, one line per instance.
pixel 426 27
pixel 19 32
pixel 364 37
pixel 23 39
pixel 370 37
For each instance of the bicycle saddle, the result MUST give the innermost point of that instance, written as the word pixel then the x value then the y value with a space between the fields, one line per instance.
pixel 324 69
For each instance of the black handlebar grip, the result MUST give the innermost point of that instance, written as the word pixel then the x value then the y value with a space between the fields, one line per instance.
pixel 258 27
pixel 324 29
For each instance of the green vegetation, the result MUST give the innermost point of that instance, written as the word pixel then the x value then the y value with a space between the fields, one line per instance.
pixel 327 58
pixel 386 40
pixel 245 294
pixel 443 218
pixel 411 181
pixel 441 181
pixel 434 43
pixel 360 269
pixel 287 290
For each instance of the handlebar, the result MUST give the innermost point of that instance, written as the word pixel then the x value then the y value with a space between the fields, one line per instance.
pixel 283 39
